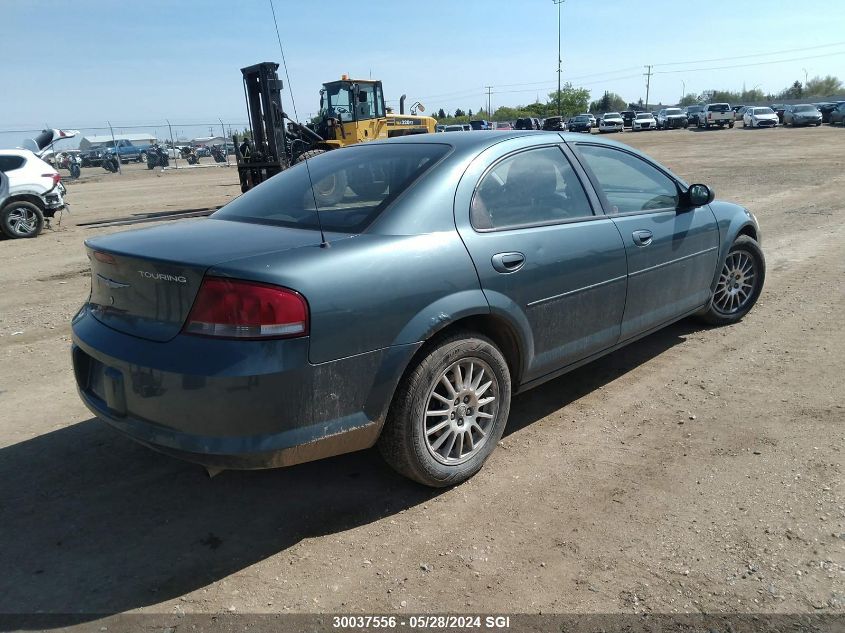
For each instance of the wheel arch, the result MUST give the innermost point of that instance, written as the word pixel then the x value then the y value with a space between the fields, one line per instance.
pixel 505 336
pixel 26 197
pixel 491 325
pixel 749 230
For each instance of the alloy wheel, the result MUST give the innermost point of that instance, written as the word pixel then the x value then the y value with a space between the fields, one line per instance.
pixel 460 410
pixel 736 283
pixel 23 221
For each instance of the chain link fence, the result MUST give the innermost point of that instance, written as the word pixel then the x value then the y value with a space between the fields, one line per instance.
pixel 171 134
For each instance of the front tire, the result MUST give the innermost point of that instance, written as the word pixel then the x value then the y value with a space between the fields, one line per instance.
pixel 21 219
pixel 448 412
pixel 740 283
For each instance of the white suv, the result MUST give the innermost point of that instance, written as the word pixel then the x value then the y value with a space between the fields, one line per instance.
pixel 35 193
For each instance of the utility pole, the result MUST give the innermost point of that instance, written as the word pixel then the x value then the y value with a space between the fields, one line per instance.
pixel 489 113
pixel 683 89
pixel 647 75
pixel 559 58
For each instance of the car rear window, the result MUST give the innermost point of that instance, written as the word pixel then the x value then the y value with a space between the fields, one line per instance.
pixel 10 163
pixel 352 187
pixel 719 107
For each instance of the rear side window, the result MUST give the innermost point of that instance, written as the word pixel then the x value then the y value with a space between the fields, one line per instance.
pixel 10 163
pixel 352 186
pixel 530 188
pixel 629 183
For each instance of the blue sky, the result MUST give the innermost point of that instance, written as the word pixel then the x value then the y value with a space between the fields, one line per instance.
pixel 141 61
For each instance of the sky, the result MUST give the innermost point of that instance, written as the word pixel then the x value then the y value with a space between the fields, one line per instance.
pixel 90 62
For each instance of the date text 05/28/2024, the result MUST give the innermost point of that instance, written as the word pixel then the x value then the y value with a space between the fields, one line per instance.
pixel 421 622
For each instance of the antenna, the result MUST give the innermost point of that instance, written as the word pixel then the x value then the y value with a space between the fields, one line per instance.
pixel 323 242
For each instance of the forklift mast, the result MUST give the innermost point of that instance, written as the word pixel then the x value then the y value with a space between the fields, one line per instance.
pixel 267 154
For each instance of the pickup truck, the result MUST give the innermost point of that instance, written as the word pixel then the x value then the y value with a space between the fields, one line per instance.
pixel 125 150
pixel 716 114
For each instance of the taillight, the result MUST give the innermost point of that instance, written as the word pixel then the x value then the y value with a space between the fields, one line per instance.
pixel 55 176
pixel 105 258
pixel 231 308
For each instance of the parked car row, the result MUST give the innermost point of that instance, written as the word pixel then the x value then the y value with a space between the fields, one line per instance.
pixel 705 116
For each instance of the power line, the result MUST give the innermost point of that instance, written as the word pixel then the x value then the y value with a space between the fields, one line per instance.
pixel 719 59
pixel 778 61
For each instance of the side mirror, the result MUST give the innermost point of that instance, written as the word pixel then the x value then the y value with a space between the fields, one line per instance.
pixel 698 195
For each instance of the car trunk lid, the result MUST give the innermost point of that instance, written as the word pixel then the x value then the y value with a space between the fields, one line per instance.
pixel 144 282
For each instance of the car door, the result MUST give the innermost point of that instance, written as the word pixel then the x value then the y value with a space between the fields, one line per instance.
pixel 547 258
pixel 671 253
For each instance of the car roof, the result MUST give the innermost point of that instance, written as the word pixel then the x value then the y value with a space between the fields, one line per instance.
pixel 476 141
pixel 25 153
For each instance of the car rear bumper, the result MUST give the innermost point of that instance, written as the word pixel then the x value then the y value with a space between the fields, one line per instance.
pixel 233 404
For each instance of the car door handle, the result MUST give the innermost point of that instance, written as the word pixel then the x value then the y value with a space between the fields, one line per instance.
pixel 508 262
pixel 642 238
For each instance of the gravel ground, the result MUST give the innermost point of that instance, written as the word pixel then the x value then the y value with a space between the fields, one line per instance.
pixel 698 470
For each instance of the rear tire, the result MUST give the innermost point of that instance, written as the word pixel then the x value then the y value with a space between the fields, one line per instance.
pixel 466 377
pixel 740 283
pixel 21 219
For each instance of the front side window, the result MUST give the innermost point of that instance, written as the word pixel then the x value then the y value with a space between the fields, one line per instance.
pixel 533 187
pixel 352 186
pixel 630 184
pixel 339 101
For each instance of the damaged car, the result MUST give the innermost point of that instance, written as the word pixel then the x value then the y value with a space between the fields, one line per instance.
pixel 453 271
pixel 35 189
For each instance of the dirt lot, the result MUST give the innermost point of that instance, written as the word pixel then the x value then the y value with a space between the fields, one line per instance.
pixel 699 470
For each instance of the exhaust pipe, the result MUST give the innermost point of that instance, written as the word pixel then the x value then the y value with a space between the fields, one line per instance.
pixel 402 104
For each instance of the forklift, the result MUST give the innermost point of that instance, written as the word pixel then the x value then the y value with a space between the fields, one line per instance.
pixel 351 111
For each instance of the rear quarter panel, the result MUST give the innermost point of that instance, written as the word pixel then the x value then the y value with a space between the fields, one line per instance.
pixel 370 292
